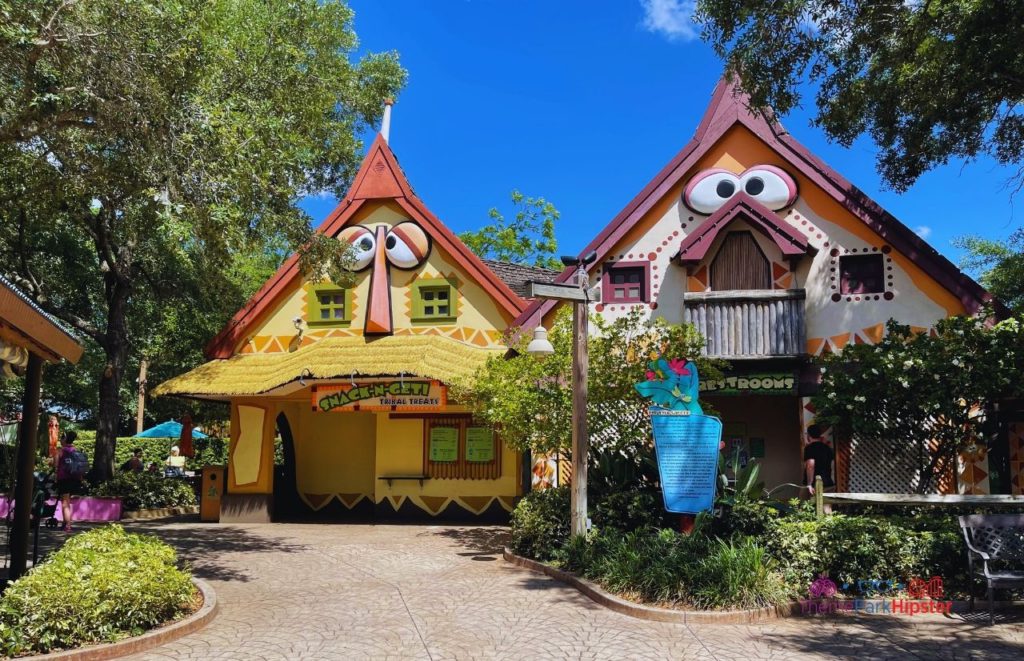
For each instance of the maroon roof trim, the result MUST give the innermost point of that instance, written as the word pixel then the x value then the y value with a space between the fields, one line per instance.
pixel 728 108
pixel 695 246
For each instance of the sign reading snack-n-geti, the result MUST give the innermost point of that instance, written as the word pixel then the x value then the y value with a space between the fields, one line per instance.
pixel 383 395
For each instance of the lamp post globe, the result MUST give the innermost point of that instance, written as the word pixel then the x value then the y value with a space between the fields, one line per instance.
pixel 540 345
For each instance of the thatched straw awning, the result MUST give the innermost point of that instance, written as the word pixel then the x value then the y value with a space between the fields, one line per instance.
pixel 426 356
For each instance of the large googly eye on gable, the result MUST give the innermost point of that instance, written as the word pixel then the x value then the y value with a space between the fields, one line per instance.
pixel 769 185
pixel 407 245
pixel 363 243
pixel 710 189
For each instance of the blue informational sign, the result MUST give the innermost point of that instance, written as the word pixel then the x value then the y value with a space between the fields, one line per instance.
pixel 687 450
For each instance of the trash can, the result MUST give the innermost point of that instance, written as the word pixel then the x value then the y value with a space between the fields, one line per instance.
pixel 213 489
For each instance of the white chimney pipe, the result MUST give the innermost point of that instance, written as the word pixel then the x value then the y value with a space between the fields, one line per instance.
pixel 385 125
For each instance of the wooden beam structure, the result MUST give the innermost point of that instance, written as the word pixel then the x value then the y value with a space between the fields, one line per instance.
pixel 579 294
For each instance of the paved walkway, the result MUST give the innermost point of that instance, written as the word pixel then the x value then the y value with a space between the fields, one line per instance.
pixel 441 592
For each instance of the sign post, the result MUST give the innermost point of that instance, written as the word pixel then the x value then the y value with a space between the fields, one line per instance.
pixel 580 295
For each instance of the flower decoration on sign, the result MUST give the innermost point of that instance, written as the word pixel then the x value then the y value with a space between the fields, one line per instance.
pixel 671 384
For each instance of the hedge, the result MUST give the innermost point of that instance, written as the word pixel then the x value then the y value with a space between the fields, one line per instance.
pixel 207 450
pixel 101 586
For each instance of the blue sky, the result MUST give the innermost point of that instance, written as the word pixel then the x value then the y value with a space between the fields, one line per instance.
pixel 583 102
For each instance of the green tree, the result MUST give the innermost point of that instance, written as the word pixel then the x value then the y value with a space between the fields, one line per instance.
pixel 147 142
pixel 924 396
pixel 927 80
pixel 527 239
pixel 530 399
pixel 999 266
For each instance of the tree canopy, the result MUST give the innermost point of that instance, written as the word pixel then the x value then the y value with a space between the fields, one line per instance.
pixel 528 238
pixel 146 144
pixel 927 80
pixel 925 397
pixel 530 399
pixel 999 266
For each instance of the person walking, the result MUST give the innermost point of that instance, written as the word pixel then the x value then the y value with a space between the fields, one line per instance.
pixel 72 464
pixel 818 460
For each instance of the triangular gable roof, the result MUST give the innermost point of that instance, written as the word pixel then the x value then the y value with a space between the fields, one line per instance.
pixel 695 246
pixel 379 177
pixel 727 108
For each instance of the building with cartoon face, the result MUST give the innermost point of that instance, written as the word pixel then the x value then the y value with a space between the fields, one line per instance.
pixel 776 259
pixel 353 382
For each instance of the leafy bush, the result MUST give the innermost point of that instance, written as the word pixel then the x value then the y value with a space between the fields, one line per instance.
pixel 629 510
pixel 540 523
pixel 738 575
pixel 147 490
pixel 102 585
pixel 668 567
pixel 853 548
pixel 207 450
pixel 748 518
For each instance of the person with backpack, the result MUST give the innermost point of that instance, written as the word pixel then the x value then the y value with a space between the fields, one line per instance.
pixel 72 465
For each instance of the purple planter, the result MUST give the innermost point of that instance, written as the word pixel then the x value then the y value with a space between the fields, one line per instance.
pixel 83 508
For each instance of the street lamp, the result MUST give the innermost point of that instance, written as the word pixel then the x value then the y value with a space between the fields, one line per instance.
pixel 540 346
pixel 580 294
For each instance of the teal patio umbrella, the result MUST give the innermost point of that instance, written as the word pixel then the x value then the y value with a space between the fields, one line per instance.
pixel 169 429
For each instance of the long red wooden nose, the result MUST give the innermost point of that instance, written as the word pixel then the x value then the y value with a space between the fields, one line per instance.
pixel 378 312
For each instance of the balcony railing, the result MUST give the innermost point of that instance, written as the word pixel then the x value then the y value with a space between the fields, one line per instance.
pixel 749 323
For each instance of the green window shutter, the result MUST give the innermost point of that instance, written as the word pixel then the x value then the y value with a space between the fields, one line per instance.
pixel 434 301
pixel 329 305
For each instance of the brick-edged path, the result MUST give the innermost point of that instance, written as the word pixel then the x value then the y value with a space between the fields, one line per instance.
pixel 442 592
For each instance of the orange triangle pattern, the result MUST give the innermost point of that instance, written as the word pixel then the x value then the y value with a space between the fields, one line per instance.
pixel 350 499
pixel 434 503
pixel 476 504
pixel 317 500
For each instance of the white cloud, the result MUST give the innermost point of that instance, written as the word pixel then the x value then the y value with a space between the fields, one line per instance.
pixel 671 18
pixel 923 231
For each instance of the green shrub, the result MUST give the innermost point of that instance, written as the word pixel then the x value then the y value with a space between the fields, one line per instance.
pixel 540 523
pixel 748 518
pixel 207 450
pixel 629 510
pixel 102 585
pixel 147 490
pixel 737 574
pixel 854 548
pixel 692 570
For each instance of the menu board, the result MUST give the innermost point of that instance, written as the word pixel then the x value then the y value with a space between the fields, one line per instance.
pixel 687 451
pixel 444 444
pixel 479 444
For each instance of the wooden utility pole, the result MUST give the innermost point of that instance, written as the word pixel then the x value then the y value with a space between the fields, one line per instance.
pixel 580 439
pixel 139 422
pixel 580 295
pixel 26 463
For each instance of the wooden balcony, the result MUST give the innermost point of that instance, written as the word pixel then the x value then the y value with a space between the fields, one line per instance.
pixel 746 324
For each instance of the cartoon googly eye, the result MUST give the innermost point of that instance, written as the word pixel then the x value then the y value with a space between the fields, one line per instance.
pixel 710 189
pixel 406 245
pixel 363 243
pixel 769 185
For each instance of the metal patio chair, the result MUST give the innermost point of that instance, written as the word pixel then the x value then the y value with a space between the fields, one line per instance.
pixel 997 540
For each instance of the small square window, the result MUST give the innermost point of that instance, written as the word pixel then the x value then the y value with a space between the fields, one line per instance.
pixel 626 283
pixel 434 300
pixel 329 306
pixel 862 274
